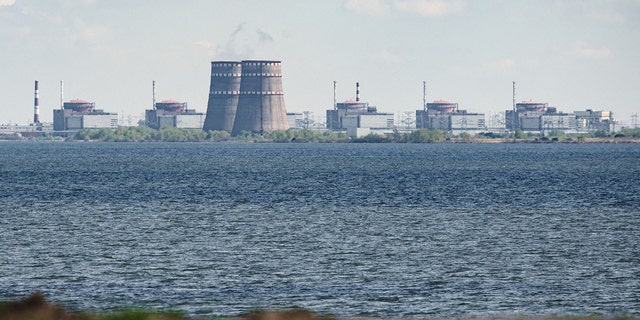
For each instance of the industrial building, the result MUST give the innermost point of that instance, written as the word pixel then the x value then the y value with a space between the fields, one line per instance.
pixel 81 114
pixel 445 115
pixel 296 120
pixel 538 117
pixel 172 113
pixel 305 120
pixel 358 118
pixel 591 120
pixel 246 96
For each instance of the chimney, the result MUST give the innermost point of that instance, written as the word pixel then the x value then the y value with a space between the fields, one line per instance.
pixel 36 105
pixel 154 94
pixel 357 91
pixel 61 94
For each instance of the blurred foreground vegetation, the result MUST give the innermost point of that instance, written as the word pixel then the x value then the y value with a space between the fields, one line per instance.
pixel 35 307
pixel 171 134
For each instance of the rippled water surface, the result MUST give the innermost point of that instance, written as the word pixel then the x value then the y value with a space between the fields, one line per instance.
pixel 444 230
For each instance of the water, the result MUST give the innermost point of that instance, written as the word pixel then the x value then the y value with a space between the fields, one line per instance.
pixel 385 230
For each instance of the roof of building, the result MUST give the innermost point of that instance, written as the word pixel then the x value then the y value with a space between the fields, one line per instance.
pixel 442 102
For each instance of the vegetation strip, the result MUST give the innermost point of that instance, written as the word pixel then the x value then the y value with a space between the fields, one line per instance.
pixel 35 307
pixel 171 134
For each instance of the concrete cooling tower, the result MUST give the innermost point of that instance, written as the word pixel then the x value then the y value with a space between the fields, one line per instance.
pixel 224 91
pixel 261 101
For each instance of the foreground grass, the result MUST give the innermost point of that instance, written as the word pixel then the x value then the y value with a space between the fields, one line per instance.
pixel 35 307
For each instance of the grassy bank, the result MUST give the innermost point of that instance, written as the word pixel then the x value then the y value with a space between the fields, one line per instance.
pixel 35 307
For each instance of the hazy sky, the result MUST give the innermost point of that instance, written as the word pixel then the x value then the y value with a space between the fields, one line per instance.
pixel 573 54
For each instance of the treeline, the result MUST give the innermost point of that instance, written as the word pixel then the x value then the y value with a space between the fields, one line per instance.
pixel 171 134
pixel 435 136
pixel 625 134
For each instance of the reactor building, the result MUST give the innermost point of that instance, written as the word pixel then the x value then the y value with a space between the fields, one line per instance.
pixel 445 115
pixel 81 114
pixel 358 118
pixel 533 116
pixel 538 117
pixel 246 96
pixel 172 113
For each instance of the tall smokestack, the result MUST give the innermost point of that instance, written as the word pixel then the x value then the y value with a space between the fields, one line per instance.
pixel 36 105
pixel 515 115
pixel 514 96
pixel 357 91
pixel 424 95
pixel 335 92
pixel 61 94
pixel 154 94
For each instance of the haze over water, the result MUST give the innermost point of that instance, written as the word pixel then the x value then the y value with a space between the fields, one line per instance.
pixel 389 230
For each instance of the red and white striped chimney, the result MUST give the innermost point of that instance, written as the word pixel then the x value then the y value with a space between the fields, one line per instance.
pixel 36 105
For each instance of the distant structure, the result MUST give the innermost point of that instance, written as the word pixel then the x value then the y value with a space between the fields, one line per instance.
pixel 532 116
pixel 296 120
pixel 246 96
pixel 357 118
pixel 261 102
pixel 172 113
pixel 81 114
pixel 539 118
pixel 36 105
pixel 592 120
pixel 304 120
pixel 224 91
pixel 445 115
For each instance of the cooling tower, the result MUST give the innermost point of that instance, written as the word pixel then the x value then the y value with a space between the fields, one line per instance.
pixel 223 95
pixel 261 101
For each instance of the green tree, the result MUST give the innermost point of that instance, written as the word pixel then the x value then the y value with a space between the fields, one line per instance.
pixel 465 136
pixel 601 133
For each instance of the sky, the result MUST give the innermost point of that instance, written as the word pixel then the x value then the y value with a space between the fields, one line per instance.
pixel 572 54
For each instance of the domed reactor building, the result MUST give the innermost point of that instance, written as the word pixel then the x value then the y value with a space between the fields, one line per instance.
pixel 246 96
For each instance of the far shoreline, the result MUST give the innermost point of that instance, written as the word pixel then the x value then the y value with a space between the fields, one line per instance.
pixel 171 134
pixel 449 141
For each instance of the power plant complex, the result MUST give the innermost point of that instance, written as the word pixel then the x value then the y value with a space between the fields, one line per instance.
pixel 246 96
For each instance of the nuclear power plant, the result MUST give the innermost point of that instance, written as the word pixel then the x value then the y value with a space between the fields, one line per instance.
pixel 246 96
